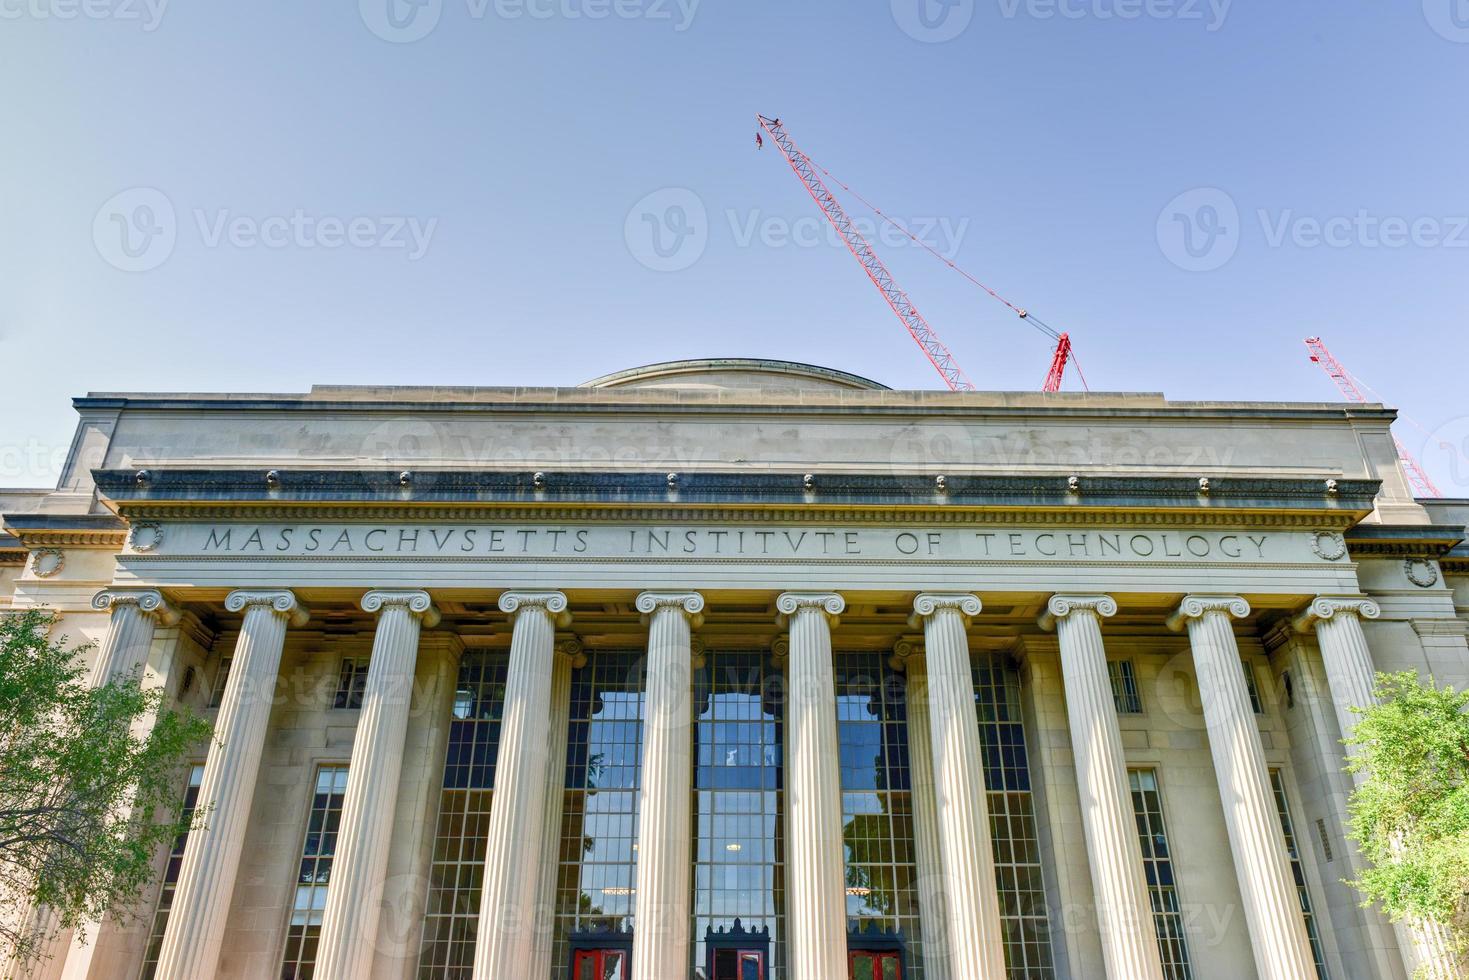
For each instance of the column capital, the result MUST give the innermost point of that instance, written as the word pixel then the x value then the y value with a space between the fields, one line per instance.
pixel 1197 606
pixel 966 604
pixel 1060 606
pixel 691 604
pixel 829 604
pixel 571 648
pixel 907 650
pixel 553 604
pixel 418 602
pixel 150 602
pixel 1325 607
pixel 280 601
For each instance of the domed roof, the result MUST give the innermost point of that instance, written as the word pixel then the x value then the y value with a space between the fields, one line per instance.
pixel 724 373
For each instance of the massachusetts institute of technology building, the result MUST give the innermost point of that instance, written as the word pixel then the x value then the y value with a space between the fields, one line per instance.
pixel 748 670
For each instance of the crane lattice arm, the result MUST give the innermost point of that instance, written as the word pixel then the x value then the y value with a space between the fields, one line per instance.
pixel 933 348
pixel 1422 485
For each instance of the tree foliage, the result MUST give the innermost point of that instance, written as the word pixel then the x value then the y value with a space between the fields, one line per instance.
pixel 1410 811
pixel 89 786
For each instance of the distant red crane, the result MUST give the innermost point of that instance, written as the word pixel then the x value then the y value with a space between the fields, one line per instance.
pixel 924 335
pixel 1422 485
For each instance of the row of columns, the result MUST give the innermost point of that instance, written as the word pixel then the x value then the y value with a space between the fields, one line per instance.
pixel 950 802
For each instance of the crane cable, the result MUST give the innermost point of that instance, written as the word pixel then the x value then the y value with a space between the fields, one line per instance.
pixel 1019 311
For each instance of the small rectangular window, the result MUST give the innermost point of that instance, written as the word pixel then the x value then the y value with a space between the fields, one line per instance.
pixel 1147 807
pixel 1124 687
pixel 1298 872
pixel 221 678
pixel 315 873
pixel 351 682
pixel 1325 840
pixel 171 877
pixel 1253 687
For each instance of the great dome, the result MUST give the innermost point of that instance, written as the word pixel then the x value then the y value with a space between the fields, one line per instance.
pixel 735 373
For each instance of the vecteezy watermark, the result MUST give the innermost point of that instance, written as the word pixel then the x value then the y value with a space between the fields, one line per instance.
pixel 1201 230
pixel 146 13
pixel 1448 18
pixel 933 21
pixel 669 230
pixel 137 230
pixel 1211 13
pixel 406 21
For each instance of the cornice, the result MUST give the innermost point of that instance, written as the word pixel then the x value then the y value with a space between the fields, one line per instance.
pixel 1429 541
pixel 464 495
pixel 34 531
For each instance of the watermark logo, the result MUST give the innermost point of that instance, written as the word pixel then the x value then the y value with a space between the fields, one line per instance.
pixel 933 21
pixel 401 21
pixel 136 230
pixel 1449 19
pixel 668 230
pixel 1446 452
pixel 147 13
pixel 1199 230
pixel 1211 13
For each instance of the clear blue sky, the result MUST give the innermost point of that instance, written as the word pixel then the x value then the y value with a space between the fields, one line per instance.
pixel 522 139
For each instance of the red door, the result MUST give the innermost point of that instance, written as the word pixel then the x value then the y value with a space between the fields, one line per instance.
pixel 863 965
pixel 600 964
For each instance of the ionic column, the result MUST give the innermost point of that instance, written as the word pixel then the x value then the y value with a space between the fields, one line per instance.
pixel 354 895
pixel 517 810
pixel 932 882
pixel 1272 907
pixel 569 657
pixel 976 943
pixel 1124 908
pixel 1352 680
pixel 816 875
pixel 211 859
pixel 135 614
pixel 665 851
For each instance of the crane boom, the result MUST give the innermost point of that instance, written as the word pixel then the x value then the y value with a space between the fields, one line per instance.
pixel 933 348
pixel 1422 484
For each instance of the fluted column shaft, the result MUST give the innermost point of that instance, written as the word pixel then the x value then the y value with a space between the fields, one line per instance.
pixel 1267 886
pixel 1114 855
pixel 932 882
pixel 211 860
pixel 354 894
pixel 517 811
pixel 135 614
pixel 665 853
pixel 569 657
pixel 1351 677
pixel 816 914
pixel 976 943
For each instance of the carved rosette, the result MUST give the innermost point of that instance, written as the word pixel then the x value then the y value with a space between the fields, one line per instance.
pixel 145 536
pixel 690 603
pixel 46 562
pixel 1326 607
pixel 1061 606
pixel 829 604
pixel 552 604
pixel 148 601
pixel 1421 572
pixel 1329 545
pixel 282 602
pixel 927 604
pixel 416 601
pixel 1198 606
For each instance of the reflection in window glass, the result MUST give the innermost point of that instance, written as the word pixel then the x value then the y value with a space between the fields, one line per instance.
pixel 1147 807
pixel 1018 874
pixel 739 834
pixel 1125 694
pixel 877 813
pixel 171 877
pixel 598 859
pixel 1277 783
pixel 316 869
pixel 452 913
pixel 351 683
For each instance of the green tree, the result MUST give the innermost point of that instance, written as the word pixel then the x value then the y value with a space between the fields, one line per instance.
pixel 1410 811
pixel 89 786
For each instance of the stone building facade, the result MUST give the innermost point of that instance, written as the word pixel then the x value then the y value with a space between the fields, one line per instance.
pixel 748 669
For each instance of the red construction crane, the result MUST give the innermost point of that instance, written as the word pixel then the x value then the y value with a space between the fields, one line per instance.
pixel 1422 485
pixel 933 348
